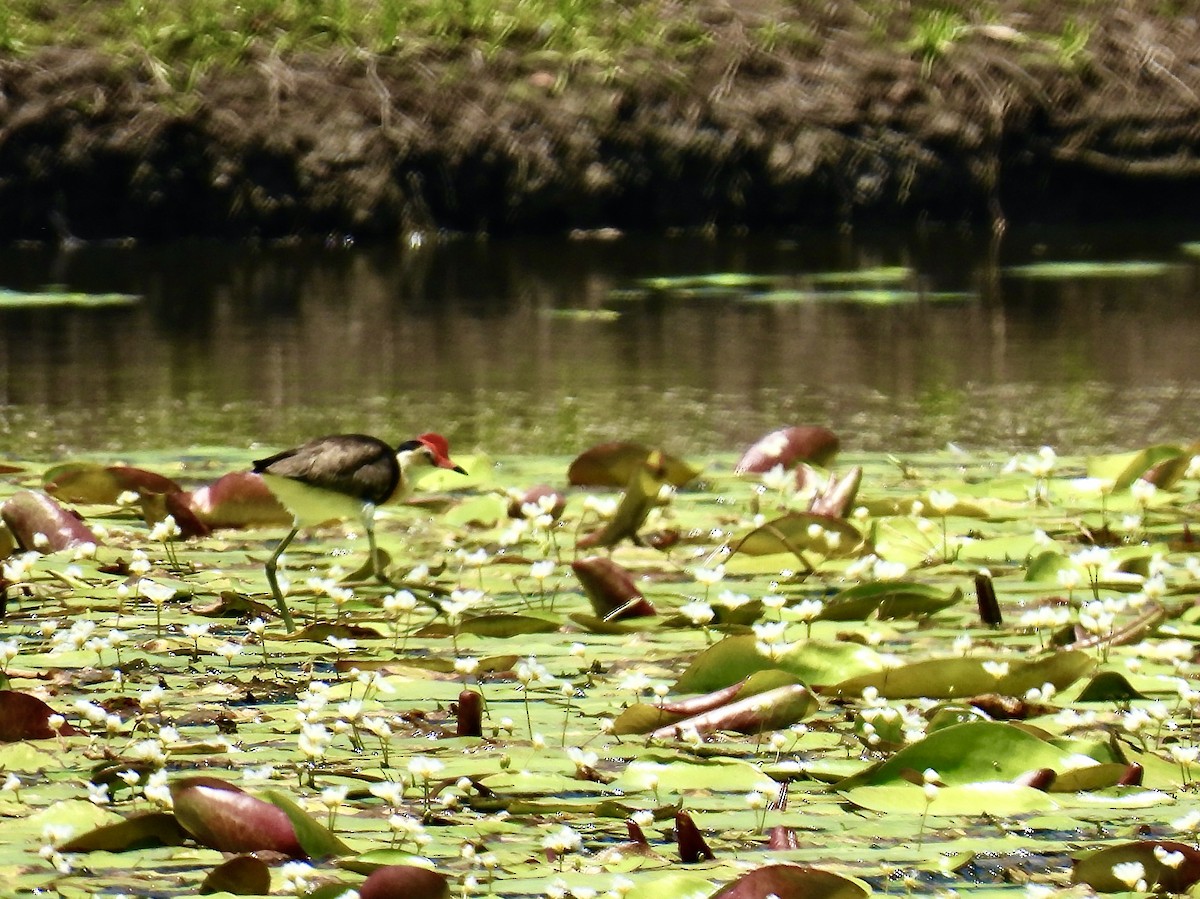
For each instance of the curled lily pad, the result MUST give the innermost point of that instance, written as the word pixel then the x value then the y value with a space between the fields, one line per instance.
pixel 225 817
pixel 610 589
pixel 86 482
pixel 38 522
pixel 789 446
pixel 642 717
pixel 800 532
pixel 792 881
pixel 1100 869
pixel 25 717
pixel 614 464
pixel 640 497
pixel 243 875
pixel 404 882
pixel 543 497
pixel 1122 469
pixel 240 499
pixel 692 845
pixel 135 832
pixel 889 599
pixel 772 710
pixel 836 497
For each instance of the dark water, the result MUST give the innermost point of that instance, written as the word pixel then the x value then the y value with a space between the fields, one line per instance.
pixel 232 345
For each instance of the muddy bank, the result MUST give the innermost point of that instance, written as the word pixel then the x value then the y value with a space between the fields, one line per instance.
pixel 1007 121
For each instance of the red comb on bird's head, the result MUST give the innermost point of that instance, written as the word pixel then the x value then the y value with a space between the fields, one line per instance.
pixel 440 447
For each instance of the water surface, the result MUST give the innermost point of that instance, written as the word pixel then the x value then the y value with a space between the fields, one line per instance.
pixel 237 345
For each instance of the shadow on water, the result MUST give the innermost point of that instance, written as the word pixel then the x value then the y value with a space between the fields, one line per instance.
pixel 237 344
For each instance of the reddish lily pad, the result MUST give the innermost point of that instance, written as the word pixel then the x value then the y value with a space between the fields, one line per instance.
pixel 240 499
pixel 25 717
pixel 791 881
pixel 404 882
pixel 788 447
pixel 610 589
pixel 30 514
pixel 222 816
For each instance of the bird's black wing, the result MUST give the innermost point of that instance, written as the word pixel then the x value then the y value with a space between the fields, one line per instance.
pixel 351 464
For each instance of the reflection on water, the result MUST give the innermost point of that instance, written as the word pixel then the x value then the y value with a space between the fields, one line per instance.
pixel 234 345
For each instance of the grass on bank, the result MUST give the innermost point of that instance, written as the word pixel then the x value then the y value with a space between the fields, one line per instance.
pixel 196 35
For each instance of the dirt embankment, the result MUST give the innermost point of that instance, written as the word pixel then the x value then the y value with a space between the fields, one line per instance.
pixel 997 120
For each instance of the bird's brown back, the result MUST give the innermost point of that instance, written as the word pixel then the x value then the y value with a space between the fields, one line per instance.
pixel 351 464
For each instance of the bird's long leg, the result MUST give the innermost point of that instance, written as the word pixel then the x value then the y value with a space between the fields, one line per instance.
pixel 272 565
pixel 369 526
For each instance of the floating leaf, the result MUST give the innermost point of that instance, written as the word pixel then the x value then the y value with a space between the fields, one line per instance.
pixel 717 284
pixel 788 447
pixel 953 677
pixel 991 798
pixel 615 464
pixel 86 482
pixel 16 299
pixel 38 522
pixel 1122 469
pixel 222 816
pixel 240 499
pixel 138 831
pixel 674 886
pixel 812 662
pixel 792 882
pixel 404 882
pixel 244 875
pixel 1108 686
pixel 890 599
pixel 772 710
pixel 610 589
pixel 1096 869
pixel 1132 268
pixel 316 840
pixel 25 717
pixel 800 532
pixel 975 752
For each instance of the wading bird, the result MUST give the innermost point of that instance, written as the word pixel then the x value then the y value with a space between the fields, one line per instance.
pixel 344 476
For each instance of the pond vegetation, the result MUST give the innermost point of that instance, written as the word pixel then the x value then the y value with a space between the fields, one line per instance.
pixel 626 674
